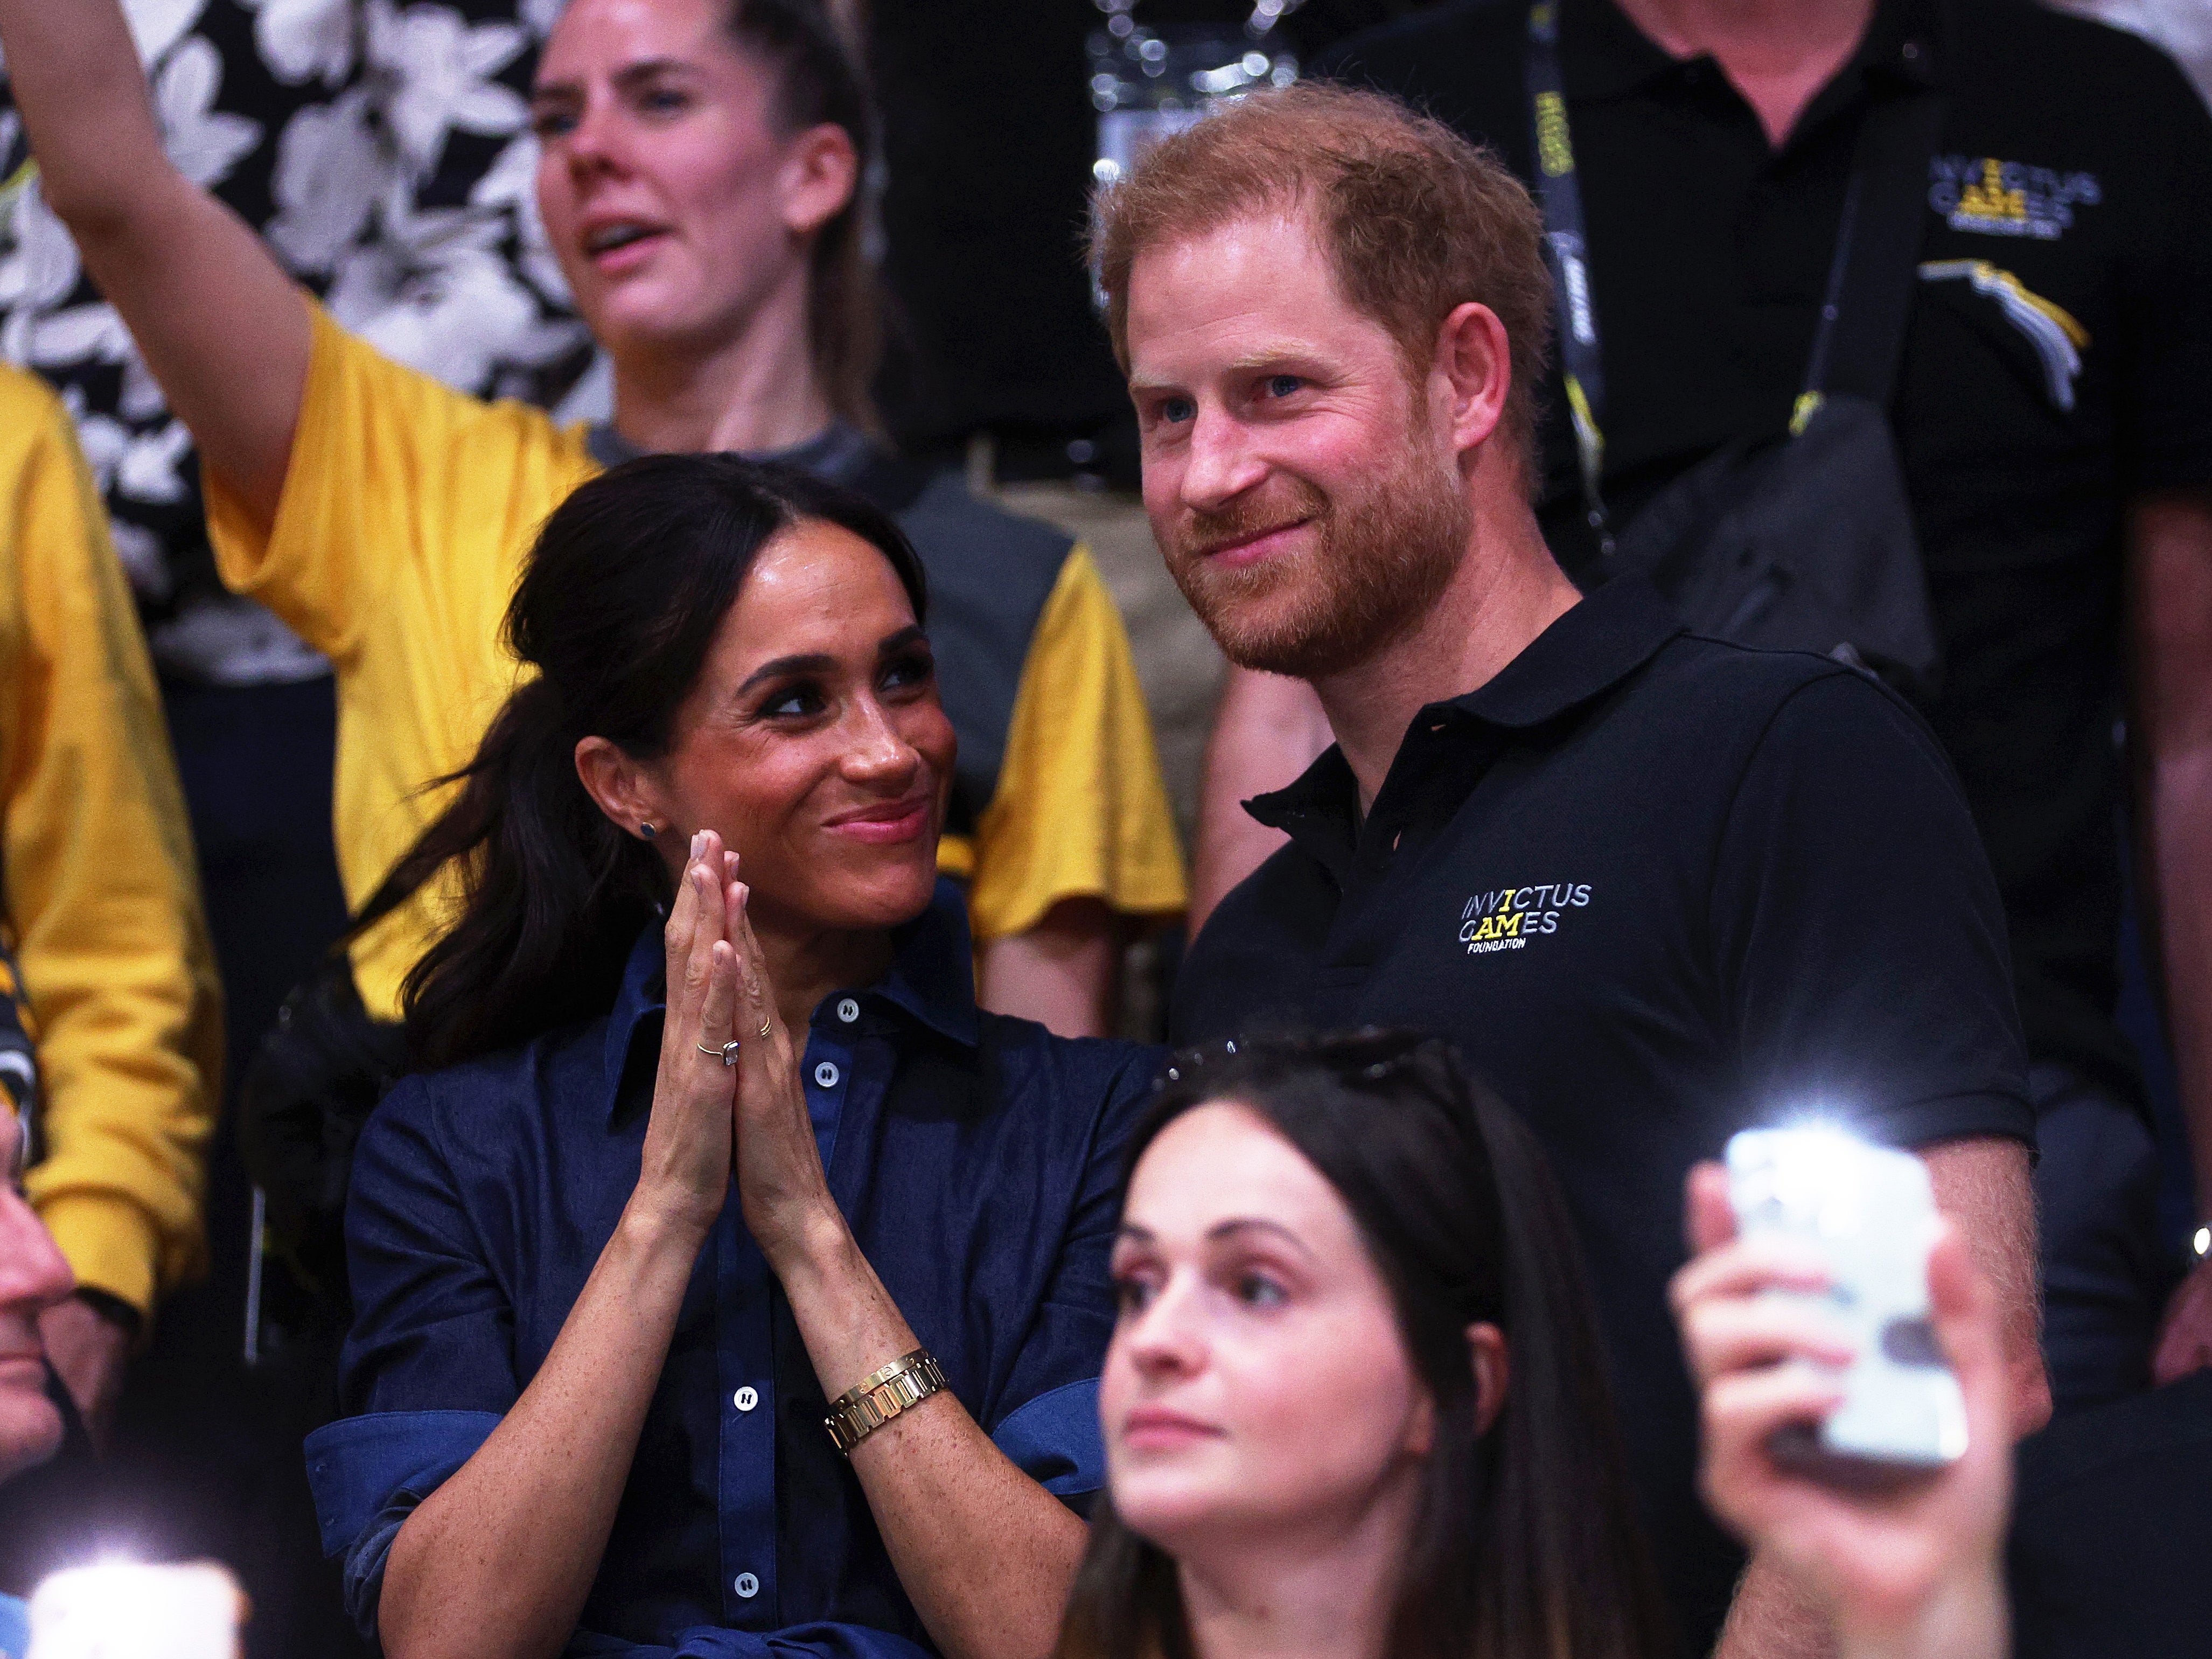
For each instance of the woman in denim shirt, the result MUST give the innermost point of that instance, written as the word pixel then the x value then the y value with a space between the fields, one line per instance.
pixel 604 1302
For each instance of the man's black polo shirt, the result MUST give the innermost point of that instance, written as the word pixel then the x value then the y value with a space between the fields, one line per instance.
pixel 2073 185
pixel 1657 889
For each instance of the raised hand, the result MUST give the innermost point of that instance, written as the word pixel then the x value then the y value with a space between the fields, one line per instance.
pixel 1906 1566
pixel 781 1182
pixel 685 1174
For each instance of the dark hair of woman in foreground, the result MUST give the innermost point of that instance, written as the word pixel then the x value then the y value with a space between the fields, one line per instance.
pixel 617 609
pixel 1524 1544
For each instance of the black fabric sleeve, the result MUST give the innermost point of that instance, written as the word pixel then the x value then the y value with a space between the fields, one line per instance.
pixel 1859 938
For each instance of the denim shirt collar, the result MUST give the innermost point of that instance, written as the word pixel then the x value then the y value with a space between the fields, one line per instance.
pixel 930 982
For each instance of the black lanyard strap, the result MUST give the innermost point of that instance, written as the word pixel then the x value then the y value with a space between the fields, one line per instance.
pixel 1566 251
pixel 1858 340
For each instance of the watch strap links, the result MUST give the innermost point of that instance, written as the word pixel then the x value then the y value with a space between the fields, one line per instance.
pixel 878 1397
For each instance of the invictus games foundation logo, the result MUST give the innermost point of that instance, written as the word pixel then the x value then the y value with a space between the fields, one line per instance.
pixel 1508 918
pixel 2007 198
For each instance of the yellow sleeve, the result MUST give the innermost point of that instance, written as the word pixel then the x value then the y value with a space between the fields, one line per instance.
pixel 406 513
pixel 1081 810
pixel 101 891
pixel 394 483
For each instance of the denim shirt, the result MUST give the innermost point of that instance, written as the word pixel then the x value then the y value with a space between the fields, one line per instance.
pixel 976 1159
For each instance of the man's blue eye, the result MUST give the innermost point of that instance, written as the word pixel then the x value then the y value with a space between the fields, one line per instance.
pixel 1282 386
pixel 1178 410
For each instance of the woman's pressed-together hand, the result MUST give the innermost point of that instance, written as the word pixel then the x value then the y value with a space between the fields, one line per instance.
pixel 782 1186
pixel 684 1177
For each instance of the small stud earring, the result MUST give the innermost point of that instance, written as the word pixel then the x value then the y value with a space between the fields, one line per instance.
pixel 647 831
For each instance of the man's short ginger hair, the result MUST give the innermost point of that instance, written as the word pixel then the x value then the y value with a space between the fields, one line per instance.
pixel 1415 219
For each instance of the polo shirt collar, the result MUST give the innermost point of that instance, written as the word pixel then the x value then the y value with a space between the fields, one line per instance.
pixel 932 981
pixel 1588 651
pixel 1603 55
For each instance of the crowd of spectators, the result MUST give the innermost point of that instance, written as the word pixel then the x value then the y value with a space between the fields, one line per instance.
pixel 612 630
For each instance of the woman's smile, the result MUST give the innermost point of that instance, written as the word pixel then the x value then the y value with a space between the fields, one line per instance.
pixel 886 824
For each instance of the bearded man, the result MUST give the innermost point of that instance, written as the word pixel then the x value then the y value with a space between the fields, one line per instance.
pixel 1657 888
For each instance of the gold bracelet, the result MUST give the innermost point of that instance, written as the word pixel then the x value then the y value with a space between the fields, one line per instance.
pixel 875 1398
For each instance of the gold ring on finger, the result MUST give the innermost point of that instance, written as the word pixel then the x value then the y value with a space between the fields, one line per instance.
pixel 764 1031
pixel 728 1054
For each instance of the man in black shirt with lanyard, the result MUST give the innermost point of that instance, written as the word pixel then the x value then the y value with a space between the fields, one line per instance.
pixel 2053 415
pixel 1656 888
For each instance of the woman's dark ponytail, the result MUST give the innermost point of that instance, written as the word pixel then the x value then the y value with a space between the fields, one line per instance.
pixel 618 609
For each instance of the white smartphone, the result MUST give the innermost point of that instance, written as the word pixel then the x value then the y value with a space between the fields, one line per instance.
pixel 124 1610
pixel 1870 1212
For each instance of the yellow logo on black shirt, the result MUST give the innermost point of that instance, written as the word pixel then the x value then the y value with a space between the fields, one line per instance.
pixel 2058 340
pixel 1994 197
pixel 1507 919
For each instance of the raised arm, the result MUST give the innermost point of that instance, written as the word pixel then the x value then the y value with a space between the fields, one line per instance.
pixel 219 323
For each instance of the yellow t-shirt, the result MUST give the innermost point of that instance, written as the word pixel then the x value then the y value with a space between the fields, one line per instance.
pixel 407 510
pixel 102 895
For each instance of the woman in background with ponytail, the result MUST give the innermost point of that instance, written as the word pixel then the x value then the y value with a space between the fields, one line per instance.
pixel 787 1343
pixel 700 183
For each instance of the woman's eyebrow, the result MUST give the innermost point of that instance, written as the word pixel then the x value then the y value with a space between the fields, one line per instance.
pixel 818 663
pixel 912 634
pixel 1236 1225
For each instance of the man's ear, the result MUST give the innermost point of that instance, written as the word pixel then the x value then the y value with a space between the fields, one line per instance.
pixel 1486 1352
pixel 623 791
pixel 821 171
pixel 1474 366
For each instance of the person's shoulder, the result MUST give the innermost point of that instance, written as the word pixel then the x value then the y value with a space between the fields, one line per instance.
pixel 479 1105
pixel 992 575
pixel 1738 702
pixel 27 401
pixel 962 536
pixel 2021 48
pixel 354 374
pixel 1078 1076
pixel 31 414
pixel 1721 686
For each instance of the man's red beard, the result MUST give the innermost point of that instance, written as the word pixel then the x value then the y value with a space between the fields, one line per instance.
pixel 1376 561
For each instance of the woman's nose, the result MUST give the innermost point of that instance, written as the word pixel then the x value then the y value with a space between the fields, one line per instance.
pixel 879 752
pixel 1166 1338
pixel 592 145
